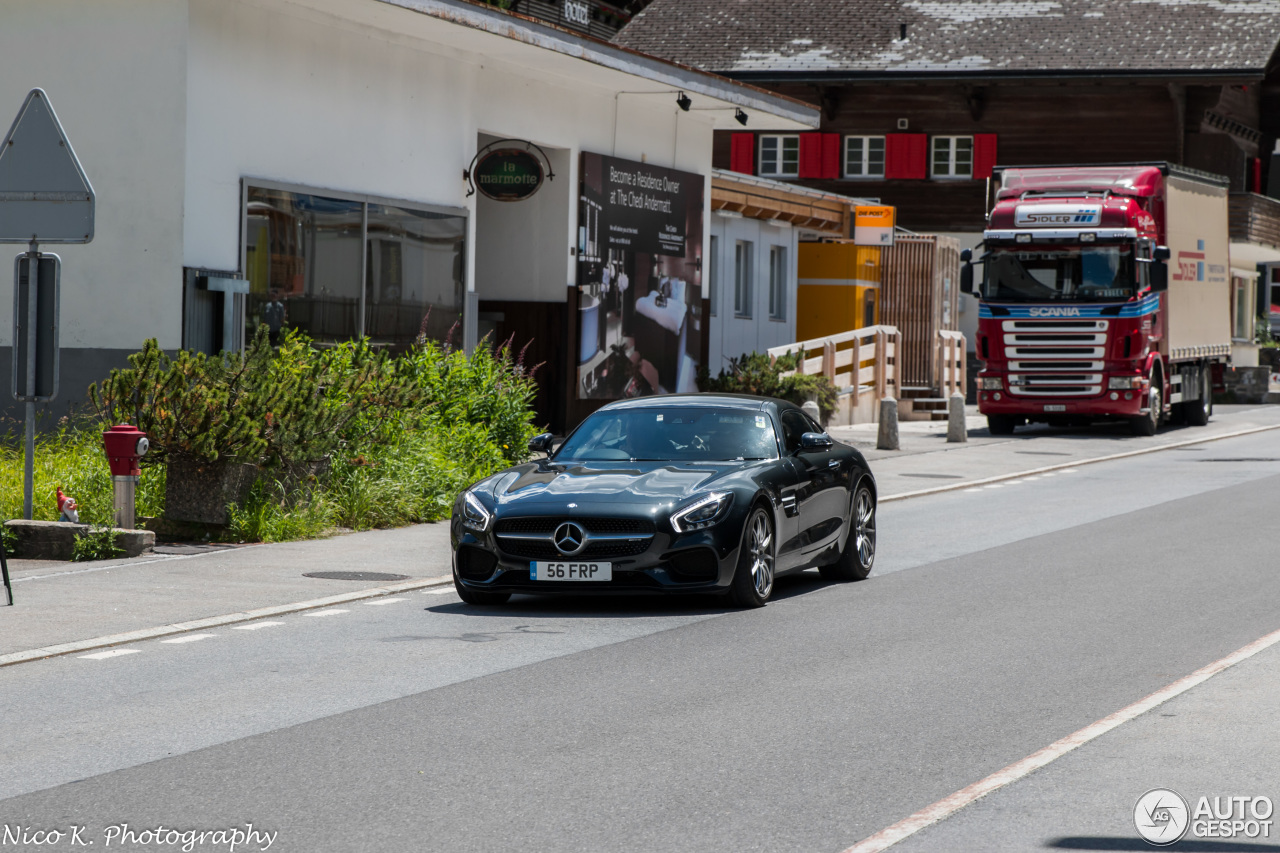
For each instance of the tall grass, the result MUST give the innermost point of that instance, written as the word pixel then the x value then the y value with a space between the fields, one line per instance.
pixel 71 458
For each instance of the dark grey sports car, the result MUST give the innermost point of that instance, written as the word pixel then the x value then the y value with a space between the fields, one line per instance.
pixel 688 493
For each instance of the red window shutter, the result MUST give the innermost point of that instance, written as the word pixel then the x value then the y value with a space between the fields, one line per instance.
pixel 1255 175
pixel 742 153
pixel 984 154
pixel 906 155
pixel 831 155
pixel 811 155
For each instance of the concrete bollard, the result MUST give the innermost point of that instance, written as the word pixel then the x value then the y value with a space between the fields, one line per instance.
pixel 956 429
pixel 811 409
pixel 888 437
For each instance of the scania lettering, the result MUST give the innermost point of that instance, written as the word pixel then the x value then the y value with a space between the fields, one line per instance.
pixel 1104 294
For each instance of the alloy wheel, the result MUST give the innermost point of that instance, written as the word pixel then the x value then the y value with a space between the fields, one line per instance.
pixel 760 544
pixel 865 528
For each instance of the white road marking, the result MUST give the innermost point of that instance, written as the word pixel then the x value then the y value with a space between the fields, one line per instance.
pixel 1068 470
pixel 441 591
pixel 189 638
pixel 114 653
pixel 971 491
pixel 1049 474
pixel 254 626
pixel 948 806
pixel 320 613
pixel 994 486
pixel 378 602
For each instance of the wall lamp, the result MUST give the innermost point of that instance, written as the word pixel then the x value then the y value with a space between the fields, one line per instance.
pixel 740 116
pixel 683 101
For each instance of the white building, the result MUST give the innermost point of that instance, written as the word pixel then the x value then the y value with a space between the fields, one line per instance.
pixel 316 149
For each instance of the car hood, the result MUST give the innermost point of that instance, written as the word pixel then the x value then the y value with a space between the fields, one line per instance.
pixel 543 485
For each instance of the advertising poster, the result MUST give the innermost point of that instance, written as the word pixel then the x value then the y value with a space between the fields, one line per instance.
pixel 639 259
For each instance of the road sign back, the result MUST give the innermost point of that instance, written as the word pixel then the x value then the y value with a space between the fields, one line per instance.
pixel 44 194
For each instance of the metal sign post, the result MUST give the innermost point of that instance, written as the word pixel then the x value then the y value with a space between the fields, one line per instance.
pixel 4 570
pixel 45 197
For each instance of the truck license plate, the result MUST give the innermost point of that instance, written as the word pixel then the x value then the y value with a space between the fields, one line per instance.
pixel 1051 408
pixel 569 571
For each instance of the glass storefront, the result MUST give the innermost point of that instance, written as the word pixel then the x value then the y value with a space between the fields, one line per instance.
pixel 303 259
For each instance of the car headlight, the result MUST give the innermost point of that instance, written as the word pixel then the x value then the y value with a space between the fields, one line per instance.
pixel 474 515
pixel 703 512
pixel 1123 382
pixel 990 383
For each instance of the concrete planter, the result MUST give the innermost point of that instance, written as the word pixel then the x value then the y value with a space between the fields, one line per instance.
pixel 55 540
pixel 200 491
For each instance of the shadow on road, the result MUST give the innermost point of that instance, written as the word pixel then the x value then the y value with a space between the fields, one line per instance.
pixel 1197 845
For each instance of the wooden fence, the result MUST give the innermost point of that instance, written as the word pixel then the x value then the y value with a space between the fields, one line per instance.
pixel 949 363
pixel 856 362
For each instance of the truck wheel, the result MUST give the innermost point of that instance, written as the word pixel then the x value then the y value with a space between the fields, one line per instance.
pixel 1001 424
pixel 1198 412
pixel 1148 423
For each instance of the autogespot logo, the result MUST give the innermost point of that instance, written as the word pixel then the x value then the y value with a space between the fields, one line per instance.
pixel 1161 816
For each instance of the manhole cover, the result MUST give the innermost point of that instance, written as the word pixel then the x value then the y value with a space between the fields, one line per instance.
pixel 355 576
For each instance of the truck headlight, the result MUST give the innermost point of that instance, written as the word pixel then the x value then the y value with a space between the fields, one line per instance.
pixel 474 515
pixel 990 383
pixel 1123 383
pixel 703 512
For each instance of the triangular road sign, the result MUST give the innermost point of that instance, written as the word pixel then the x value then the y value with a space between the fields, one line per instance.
pixel 44 194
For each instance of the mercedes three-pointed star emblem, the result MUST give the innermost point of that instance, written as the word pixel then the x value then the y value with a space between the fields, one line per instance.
pixel 569 538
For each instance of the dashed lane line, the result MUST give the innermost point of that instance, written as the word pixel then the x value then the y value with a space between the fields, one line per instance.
pixel 113 653
pixel 255 626
pixel 378 602
pixel 218 621
pixel 320 613
pixel 189 638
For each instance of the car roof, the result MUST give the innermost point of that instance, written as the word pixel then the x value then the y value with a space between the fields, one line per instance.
pixel 735 401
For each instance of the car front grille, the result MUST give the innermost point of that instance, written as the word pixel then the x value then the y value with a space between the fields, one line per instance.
pixel 530 538
pixel 548 524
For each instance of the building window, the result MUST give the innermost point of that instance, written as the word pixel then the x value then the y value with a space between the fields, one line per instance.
pixel 778 283
pixel 1242 311
pixel 952 156
pixel 338 268
pixel 864 156
pixel 742 278
pixel 780 155
pixel 713 274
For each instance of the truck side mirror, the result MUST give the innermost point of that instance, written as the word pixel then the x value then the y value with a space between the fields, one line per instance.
pixel 966 255
pixel 966 277
pixel 1159 273
pixel 1161 253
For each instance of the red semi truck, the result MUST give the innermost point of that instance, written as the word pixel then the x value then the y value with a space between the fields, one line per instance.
pixel 1105 293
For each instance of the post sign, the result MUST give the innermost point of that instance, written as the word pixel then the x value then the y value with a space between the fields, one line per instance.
pixel 873 226
pixel 40 384
pixel 44 194
pixel 508 174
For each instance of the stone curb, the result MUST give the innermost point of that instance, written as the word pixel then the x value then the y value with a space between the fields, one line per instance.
pixel 216 621
pixel 969 484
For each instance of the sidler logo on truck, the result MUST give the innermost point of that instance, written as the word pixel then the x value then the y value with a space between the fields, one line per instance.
pixel 1057 214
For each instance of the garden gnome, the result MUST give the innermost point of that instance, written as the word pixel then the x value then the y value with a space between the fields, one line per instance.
pixel 67 508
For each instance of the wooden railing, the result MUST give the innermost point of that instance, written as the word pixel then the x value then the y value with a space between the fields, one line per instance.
pixel 856 362
pixel 949 366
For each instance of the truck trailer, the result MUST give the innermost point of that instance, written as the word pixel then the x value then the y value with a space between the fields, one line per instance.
pixel 1105 294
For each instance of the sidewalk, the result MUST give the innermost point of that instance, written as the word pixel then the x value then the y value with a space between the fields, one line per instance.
pixel 65 607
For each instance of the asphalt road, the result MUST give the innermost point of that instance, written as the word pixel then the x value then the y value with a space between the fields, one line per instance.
pixel 998 621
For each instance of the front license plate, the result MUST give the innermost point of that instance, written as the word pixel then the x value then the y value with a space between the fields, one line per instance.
pixel 569 571
pixel 1055 408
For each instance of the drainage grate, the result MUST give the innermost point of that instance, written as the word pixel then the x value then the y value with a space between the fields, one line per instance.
pixel 355 576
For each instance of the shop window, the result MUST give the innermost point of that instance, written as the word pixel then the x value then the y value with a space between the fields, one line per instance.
pixel 780 155
pixel 952 156
pixel 1241 311
pixel 778 283
pixel 338 268
pixel 742 278
pixel 713 274
pixel 864 156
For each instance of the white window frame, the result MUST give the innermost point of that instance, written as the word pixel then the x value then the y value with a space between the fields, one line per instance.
pixel 951 146
pixel 743 260
pixel 778 167
pixel 865 158
pixel 713 273
pixel 778 283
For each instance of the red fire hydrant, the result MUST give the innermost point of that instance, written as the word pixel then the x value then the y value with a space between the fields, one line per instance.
pixel 125 446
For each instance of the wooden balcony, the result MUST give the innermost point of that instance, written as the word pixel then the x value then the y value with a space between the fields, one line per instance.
pixel 1254 218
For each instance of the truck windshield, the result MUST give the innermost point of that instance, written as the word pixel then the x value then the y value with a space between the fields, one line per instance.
pixel 1060 273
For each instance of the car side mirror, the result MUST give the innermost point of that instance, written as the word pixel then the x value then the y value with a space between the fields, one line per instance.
pixel 541 443
pixel 815 441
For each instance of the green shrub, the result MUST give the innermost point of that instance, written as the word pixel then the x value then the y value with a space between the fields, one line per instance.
pixel 761 375
pixel 99 543
pixel 8 541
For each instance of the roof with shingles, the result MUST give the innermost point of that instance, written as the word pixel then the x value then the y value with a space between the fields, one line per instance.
pixel 998 37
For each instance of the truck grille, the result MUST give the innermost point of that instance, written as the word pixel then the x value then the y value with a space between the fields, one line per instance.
pixel 1055 358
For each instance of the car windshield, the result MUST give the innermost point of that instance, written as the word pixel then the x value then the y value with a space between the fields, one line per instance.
pixel 671 433
pixel 1064 273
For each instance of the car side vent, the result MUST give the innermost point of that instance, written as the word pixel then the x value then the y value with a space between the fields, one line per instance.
pixel 695 564
pixel 475 563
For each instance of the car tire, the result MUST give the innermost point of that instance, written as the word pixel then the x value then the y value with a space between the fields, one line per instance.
pixel 752 582
pixel 480 599
pixel 1001 424
pixel 859 554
